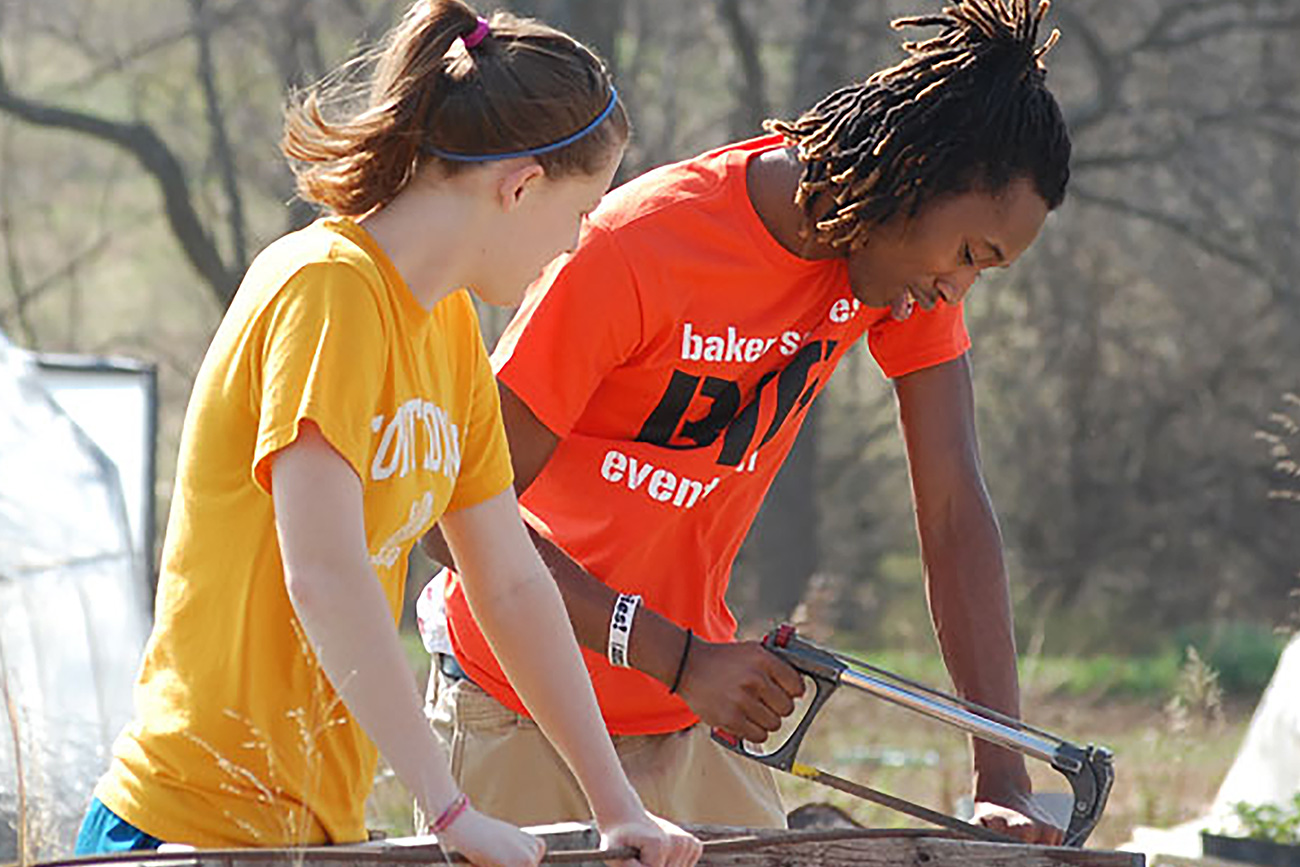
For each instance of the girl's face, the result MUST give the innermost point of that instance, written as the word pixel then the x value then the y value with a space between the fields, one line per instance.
pixel 936 256
pixel 541 220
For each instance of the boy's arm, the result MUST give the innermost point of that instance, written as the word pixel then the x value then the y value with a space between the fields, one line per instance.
pixel 966 579
pixel 738 686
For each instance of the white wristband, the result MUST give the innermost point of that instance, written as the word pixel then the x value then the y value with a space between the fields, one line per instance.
pixel 620 629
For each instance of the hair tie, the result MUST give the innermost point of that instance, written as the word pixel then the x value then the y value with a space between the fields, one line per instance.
pixel 478 34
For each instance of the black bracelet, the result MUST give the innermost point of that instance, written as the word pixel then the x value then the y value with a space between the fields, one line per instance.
pixel 681 665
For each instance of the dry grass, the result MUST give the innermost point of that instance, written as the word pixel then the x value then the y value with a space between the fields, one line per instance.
pixel 325 711
pixel 39 833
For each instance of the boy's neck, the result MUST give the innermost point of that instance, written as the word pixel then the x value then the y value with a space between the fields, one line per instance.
pixel 772 179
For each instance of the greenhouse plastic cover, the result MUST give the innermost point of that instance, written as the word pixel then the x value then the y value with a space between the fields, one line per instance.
pixel 1265 771
pixel 73 617
pixel 1267 767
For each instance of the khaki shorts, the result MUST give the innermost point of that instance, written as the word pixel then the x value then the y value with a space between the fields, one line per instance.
pixel 510 770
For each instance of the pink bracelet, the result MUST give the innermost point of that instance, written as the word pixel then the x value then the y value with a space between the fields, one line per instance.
pixel 451 814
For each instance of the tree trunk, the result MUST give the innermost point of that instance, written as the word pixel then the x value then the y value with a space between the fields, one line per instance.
pixel 783 542
pixel 751 100
pixel 783 545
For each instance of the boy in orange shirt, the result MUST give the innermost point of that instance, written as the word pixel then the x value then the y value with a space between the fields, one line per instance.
pixel 654 381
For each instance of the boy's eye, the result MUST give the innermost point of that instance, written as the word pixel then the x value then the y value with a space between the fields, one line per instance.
pixel 966 255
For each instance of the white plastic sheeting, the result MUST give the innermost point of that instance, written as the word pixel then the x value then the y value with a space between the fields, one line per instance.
pixel 1267 767
pixel 72 615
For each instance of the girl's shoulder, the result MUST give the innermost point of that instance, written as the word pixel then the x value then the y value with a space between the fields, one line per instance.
pixel 318 265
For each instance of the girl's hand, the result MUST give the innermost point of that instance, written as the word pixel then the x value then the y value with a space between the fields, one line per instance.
pixel 489 842
pixel 660 842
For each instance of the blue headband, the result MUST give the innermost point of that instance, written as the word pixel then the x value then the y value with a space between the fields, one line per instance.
pixel 529 152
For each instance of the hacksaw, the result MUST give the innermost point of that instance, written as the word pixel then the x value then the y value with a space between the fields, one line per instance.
pixel 1089 770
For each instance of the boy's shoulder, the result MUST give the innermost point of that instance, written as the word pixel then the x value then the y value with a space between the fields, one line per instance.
pixel 674 191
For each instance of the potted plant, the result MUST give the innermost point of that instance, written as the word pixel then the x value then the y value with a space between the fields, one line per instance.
pixel 1268 834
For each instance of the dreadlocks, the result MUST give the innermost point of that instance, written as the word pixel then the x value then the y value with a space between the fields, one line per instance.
pixel 967 108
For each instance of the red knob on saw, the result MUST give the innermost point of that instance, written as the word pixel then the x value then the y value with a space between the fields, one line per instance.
pixel 782 634
pixel 727 738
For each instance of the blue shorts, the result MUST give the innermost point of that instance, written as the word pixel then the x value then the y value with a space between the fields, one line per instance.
pixel 105 831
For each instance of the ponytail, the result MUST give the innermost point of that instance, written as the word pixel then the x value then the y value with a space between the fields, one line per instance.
pixel 522 84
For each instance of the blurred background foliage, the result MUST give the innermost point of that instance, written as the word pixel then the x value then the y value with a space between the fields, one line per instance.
pixel 1135 372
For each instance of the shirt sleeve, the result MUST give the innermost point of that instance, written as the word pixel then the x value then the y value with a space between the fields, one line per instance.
pixel 320 358
pixel 580 320
pixel 925 339
pixel 485 469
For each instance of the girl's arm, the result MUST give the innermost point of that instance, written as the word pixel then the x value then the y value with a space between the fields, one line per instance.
pixel 347 619
pixel 524 620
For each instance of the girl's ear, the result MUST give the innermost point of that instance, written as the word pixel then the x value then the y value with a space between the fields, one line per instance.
pixel 516 184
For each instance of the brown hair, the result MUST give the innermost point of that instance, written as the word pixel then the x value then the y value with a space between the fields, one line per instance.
pixel 968 109
pixel 524 85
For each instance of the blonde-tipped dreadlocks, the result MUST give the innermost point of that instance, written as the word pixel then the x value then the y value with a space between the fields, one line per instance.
pixel 967 109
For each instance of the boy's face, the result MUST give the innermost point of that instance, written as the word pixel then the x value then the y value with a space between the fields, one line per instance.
pixel 936 256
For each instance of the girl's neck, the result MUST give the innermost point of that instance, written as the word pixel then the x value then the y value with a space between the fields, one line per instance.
pixel 429 237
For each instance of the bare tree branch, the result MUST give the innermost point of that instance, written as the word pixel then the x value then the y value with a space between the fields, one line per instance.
pixel 1182 227
pixel 216 20
pixel 1108 72
pixel 1118 159
pixel 158 160
pixel 751 104
pixel 1165 41
pixel 31 291
pixel 22 294
pixel 1174 13
pixel 222 151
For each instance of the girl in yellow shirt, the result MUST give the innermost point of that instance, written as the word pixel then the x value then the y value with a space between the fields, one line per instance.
pixel 345 405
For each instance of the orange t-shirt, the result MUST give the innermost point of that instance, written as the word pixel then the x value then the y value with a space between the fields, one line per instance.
pixel 675 354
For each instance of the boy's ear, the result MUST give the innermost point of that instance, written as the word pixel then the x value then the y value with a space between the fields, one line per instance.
pixel 518 183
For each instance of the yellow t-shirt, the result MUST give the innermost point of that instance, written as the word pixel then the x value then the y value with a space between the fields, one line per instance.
pixel 238 737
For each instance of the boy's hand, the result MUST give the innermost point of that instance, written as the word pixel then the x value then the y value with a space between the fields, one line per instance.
pixel 740 687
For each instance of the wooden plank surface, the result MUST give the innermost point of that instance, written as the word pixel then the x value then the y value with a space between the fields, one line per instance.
pixel 898 848
pixel 725 847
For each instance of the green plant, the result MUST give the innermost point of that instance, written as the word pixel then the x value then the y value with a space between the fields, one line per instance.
pixel 1276 824
pixel 1243 654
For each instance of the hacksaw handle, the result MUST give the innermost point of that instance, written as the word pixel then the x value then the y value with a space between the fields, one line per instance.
pixel 812 662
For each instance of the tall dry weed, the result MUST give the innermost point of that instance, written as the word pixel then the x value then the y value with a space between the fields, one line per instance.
pixel 324 712
pixel 1282 436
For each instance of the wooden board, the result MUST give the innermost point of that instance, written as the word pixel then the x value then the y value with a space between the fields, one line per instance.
pixel 726 847
pixel 898 848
